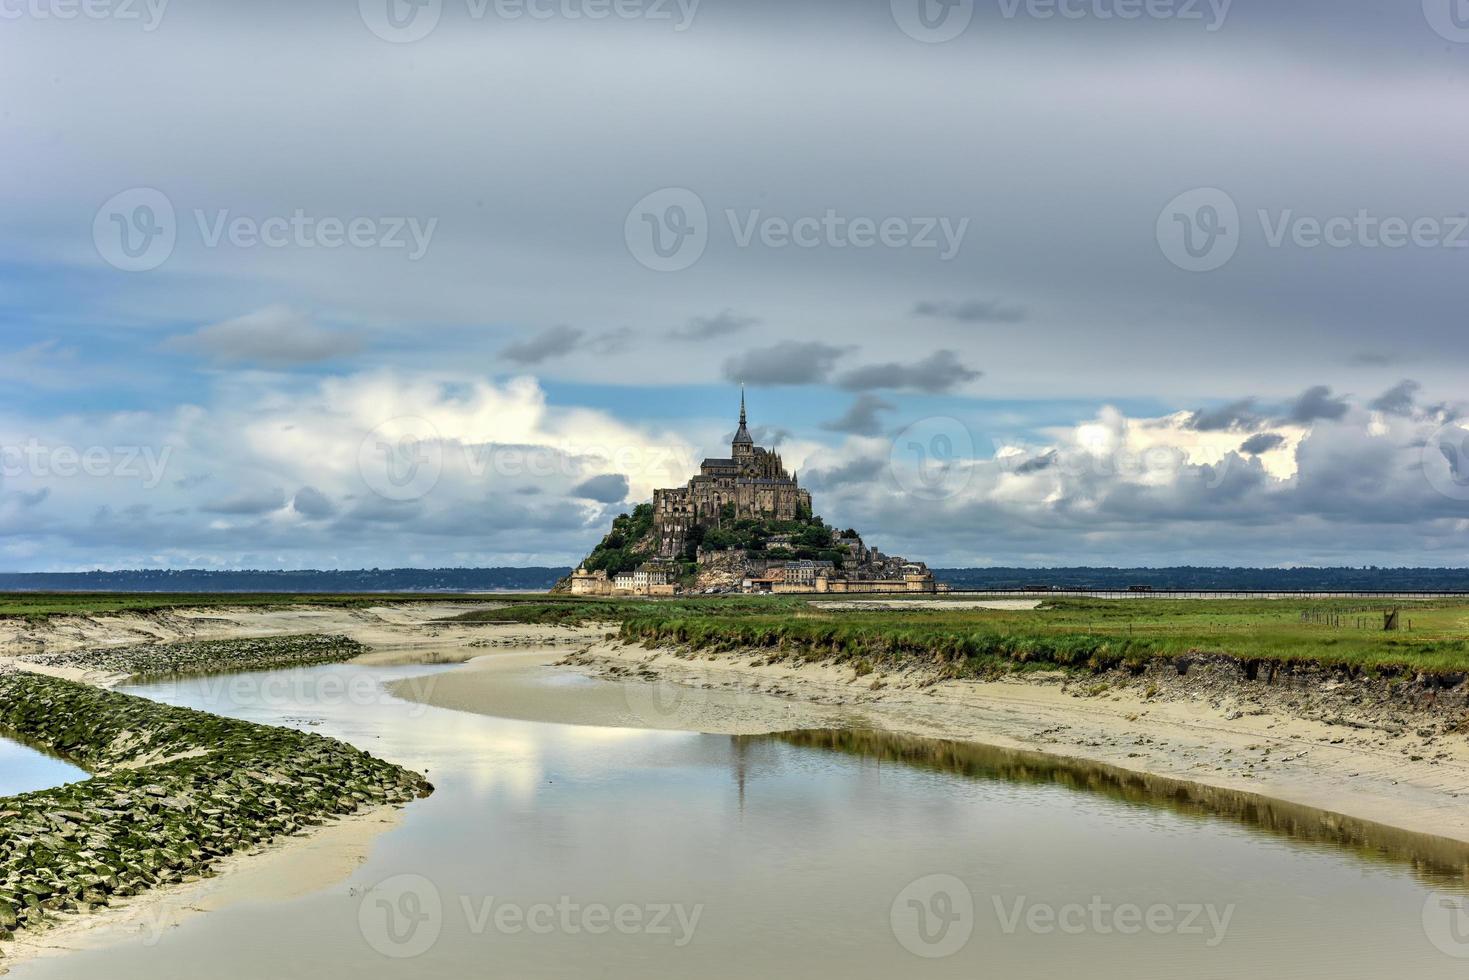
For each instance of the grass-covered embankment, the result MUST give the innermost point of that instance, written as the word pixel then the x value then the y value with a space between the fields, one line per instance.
pixel 1081 634
pixel 174 791
pixel 209 656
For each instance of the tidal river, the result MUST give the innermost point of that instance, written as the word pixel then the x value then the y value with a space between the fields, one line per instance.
pixel 24 769
pixel 553 850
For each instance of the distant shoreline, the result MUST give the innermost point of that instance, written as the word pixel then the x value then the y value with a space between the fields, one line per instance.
pixel 503 579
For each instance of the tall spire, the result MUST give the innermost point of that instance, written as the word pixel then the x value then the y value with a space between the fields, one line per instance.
pixel 742 436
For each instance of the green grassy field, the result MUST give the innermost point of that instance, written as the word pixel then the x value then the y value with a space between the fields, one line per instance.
pixel 1085 634
pixel 1081 634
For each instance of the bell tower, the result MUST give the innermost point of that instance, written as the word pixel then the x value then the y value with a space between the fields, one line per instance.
pixel 742 449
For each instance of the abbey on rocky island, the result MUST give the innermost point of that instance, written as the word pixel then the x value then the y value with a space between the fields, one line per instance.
pixel 742 524
pixel 751 483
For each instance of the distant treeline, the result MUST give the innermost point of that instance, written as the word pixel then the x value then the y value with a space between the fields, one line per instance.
pixel 1190 578
pixel 1186 578
pixel 306 580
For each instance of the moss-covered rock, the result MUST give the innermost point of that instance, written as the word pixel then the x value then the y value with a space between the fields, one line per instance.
pixel 219 786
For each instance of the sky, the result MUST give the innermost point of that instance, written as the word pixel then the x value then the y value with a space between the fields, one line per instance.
pixel 373 283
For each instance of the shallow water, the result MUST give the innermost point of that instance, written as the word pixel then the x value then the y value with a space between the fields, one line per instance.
pixel 556 851
pixel 24 769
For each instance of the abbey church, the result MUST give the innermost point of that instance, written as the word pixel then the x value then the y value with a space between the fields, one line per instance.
pixel 752 481
pixel 742 524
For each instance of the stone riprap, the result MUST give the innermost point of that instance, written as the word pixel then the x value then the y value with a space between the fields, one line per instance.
pixel 174 791
pixel 208 656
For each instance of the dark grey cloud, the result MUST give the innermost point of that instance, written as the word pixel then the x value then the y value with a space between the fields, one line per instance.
pixel 1397 400
pixel 610 488
pixel 273 337
pixel 790 362
pixel 857 471
pixel 767 435
pixel 1264 442
pixel 970 311
pixel 552 342
pixel 937 373
pixel 862 417
pixel 1226 418
pixel 611 341
pixel 247 503
pixel 709 327
pixel 1037 464
pixel 1318 404
pixel 561 340
pixel 31 498
pixel 312 503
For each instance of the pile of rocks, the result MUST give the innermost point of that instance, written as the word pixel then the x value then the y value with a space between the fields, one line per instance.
pixel 209 656
pixel 175 791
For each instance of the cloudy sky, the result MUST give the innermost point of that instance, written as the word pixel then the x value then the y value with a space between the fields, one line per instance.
pixel 1010 281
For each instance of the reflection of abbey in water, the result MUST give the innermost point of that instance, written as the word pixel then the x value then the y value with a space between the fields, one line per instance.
pixel 752 484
